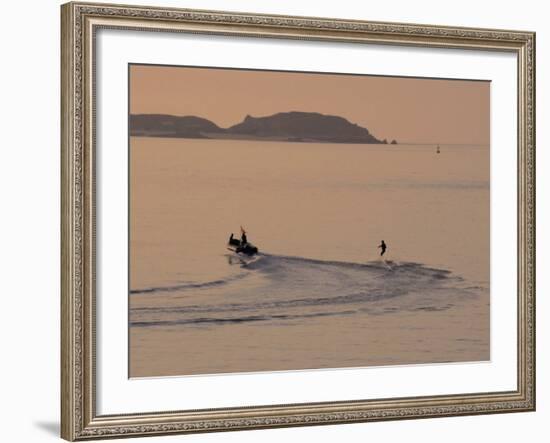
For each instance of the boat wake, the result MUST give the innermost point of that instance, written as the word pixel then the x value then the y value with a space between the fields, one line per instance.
pixel 276 288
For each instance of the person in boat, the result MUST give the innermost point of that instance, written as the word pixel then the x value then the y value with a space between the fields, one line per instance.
pixel 383 247
pixel 244 240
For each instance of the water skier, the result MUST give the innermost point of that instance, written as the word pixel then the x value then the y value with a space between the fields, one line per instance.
pixel 383 247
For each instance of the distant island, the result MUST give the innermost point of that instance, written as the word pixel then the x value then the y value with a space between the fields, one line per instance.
pixel 307 127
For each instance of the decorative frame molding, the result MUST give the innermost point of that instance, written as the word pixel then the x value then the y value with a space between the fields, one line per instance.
pixel 79 24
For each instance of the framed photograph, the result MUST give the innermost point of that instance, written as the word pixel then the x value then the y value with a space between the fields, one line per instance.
pixel 277 221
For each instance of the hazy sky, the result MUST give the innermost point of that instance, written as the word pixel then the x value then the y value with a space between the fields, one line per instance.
pixel 406 109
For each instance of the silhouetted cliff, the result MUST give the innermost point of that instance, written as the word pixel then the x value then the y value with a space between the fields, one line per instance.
pixel 161 125
pixel 284 126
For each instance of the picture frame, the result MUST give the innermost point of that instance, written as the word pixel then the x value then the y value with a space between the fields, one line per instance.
pixel 80 177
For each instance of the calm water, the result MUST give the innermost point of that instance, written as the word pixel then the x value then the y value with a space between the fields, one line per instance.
pixel 317 296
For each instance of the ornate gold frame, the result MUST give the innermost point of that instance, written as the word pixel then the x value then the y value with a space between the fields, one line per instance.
pixel 79 420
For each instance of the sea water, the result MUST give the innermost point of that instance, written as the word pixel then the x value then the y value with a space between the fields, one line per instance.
pixel 318 295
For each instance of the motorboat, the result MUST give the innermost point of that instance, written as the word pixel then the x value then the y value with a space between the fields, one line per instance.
pixel 237 246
